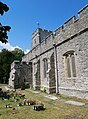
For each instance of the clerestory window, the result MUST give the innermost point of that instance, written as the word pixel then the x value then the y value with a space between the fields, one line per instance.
pixel 70 65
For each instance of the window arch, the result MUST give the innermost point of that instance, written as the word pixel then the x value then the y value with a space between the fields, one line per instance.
pixel 70 64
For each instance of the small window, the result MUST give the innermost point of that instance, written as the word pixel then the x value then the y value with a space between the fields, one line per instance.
pixel 70 64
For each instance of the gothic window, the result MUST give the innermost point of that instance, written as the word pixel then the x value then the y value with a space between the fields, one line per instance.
pixel 70 65
pixel 45 66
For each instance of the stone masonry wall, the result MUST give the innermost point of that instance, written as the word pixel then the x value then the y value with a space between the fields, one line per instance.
pixel 37 76
pixel 73 36
pixel 21 73
pixel 79 43
pixel 52 82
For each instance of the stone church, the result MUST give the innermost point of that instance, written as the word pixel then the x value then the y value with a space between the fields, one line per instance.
pixel 58 61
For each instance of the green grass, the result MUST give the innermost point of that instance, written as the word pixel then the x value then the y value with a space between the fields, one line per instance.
pixel 55 109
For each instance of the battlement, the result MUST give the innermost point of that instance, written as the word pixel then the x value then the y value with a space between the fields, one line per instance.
pixel 58 30
pixel 83 12
pixel 66 24
pixel 72 20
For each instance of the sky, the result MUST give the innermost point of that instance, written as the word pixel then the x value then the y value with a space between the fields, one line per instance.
pixel 23 16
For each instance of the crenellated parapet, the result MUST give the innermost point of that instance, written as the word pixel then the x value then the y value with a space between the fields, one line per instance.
pixel 70 21
pixel 82 13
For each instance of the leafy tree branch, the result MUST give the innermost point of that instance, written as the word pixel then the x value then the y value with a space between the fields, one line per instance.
pixel 3 29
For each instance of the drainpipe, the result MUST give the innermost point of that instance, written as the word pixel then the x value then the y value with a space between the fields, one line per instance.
pixel 56 69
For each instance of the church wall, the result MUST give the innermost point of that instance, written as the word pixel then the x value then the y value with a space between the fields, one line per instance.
pixel 74 86
pixel 44 81
pixel 72 36
pixel 50 77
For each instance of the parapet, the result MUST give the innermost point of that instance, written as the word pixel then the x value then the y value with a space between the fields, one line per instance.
pixel 66 24
pixel 58 30
pixel 70 21
pixel 83 12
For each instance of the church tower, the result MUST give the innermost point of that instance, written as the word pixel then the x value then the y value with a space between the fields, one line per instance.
pixel 39 35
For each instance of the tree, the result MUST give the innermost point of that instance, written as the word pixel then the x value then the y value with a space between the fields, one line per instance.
pixel 3 29
pixel 6 58
pixel 18 54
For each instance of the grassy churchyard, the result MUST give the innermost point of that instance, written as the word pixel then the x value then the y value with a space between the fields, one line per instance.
pixel 15 107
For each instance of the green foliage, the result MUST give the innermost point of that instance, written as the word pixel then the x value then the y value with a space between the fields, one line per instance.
pixel 3 8
pixel 18 54
pixel 6 58
pixel 3 29
pixel 3 33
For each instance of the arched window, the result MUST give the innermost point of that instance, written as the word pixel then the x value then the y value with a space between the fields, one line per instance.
pixel 45 63
pixel 70 64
